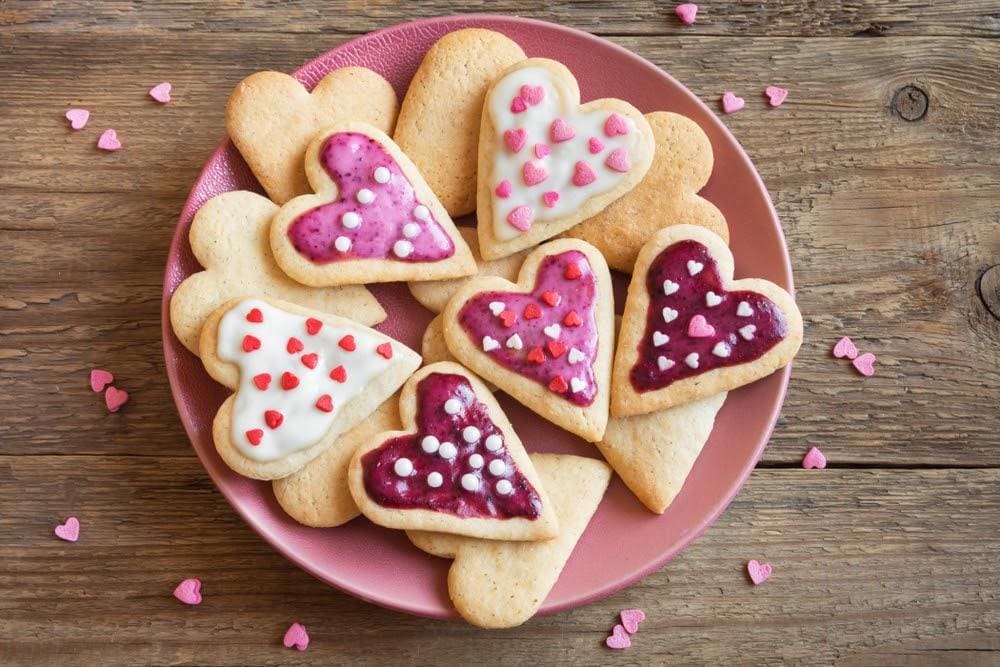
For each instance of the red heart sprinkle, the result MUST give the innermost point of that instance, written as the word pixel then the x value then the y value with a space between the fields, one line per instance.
pixel 294 345
pixel 310 360
pixel 385 349
pixel 536 355
pixel 325 403
pixel 115 398
pixel 313 326
pixel 551 298
pixel 255 435
pixel 532 312
pixel 251 343
pixel 262 380
pixel 99 379
pixel 347 343
pixel 558 384
pixel 572 319
pixel 556 349
pixel 339 374
pixel 572 271
pixel 273 418
pixel 255 316
pixel 289 381
pixel 508 317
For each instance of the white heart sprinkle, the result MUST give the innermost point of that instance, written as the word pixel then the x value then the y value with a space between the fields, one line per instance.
pixel 712 299
pixel 744 309
pixel 575 356
pixel 553 331
pixel 747 332
pixel 664 363
pixel 350 220
pixel 577 385
pixel 497 307
pixel 692 360
pixel 342 243
pixel 669 287
pixel 694 268
pixel 490 344
pixel 402 248
pixel 660 339
pixel 514 342
pixel 411 230
pixel 721 350
pixel 669 314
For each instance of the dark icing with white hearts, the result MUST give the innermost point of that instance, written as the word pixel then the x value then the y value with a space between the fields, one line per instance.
pixel 694 325
pixel 376 214
pixel 457 462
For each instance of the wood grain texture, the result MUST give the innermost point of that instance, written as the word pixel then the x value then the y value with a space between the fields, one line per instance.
pixel 889 557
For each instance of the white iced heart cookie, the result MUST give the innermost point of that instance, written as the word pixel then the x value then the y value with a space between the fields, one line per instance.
pixel 546 162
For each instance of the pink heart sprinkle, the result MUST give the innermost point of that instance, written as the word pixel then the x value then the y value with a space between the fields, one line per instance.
pixel 550 198
pixel 541 150
pixel 618 639
pixel 115 398
pixel 699 327
pixel 814 459
pixel 518 105
pixel 515 139
pixel 296 636
pixel 533 173
pixel 521 218
pixel 686 12
pixel 561 131
pixel 189 591
pixel 731 103
pixel 845 347
pixel 583 174
pixel 161 92
pixel 109 141
pixel 503 189
pixel 618 160
pixel 615 125
pixel 532 95
pixel 595 145
pixel 631 618
pixel 78 118
pixel 759 572
pixel 865 364
pixel 99 379
pixel 69 531
pixel 775 95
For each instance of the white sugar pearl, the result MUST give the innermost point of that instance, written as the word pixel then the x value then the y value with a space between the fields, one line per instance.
pixel 476 461
pixel 365 196
pixel 497 467
pixel 744 309
pixel 342 243
pixel 421 212
pixel 447 451
pixel 470 482
pixel 382 175
pixel 430 444
pixel 494 442
pixel 402 248
pixel 504 487
pixel 452 406
pixel 692 360
pixel 411 230
pixel 403 467
pixel 470 434
pixel 350 220
pixel 434 480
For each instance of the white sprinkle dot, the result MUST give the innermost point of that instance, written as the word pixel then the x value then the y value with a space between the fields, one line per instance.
pixel 421 212
pixel 434 480
pixel 692 360
pixel 430 444
pixel 494 442
pixel 447 450
pixel 452 406
pixel 504 487
pixel 381 175
pixel 402 248
pixel 476 461
pixel 342 243
pixel 411 230
pixel 470 434
pixel 350 220
pixel 497 467
pixel 403 467
pixel 365 196
pixel 470 482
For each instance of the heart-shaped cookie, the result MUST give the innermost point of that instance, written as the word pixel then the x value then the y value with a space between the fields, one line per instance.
pixel 372 219
pixel 458 467
pixel 547 339
pixel 689 331
pixel 271 118
pixel 301 379
pixel 546 162
pixel 229 238
pixel 496 584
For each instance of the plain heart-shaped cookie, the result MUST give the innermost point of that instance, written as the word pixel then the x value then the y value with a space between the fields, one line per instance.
pixel 272 117
pixel 689 331
pixel 546 162
pixel 546 340
pixel 372 219
pixel 301 378
pixel 229 237
pixel 457 467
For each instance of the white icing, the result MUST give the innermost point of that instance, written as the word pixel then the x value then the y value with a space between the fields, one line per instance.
pixel 447 450
pixel 421 212
pixel 747 332
pixel 577 385
pixel 350 220
pixel 490 344
pixel 430 444
pixel 497 467
pixel 553 331
pixel 560 162
pixel 504 487
pixel 669 314
pixel 721 350
pixel 365 196
pixel 691 360
pixel 664 364
pixel 402 248
pixel 411 230
pixel 403 467
pixel 470 434
pixel 452 406
pixel 694 268
pixel 669 287
pixel 494 442
pixel 497 307
pixel 470 482
pixel 514 342
pixel 660 339
pixel 476 461
pixel 382 175
pixel 575 356
pixel 303 423
pixel 435 480
pixel 712 299
pixel 744 309
pixel 342 243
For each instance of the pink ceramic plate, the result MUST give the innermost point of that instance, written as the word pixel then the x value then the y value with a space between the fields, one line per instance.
pixel 624 541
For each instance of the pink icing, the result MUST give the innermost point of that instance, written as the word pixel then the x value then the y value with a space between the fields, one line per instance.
pixel 350 159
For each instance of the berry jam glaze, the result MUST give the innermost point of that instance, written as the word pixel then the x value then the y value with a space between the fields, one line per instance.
pixel 549 335
pixel 446 468
pixel 738 327
pixel 376 215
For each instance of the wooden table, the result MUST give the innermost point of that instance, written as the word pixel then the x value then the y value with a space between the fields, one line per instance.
pixel 884 165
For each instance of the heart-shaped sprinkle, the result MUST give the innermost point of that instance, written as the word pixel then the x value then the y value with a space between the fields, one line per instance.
pixel 731 103
pixel 552 331
pixel 189 591
pixel 310 360
pixel 555 348
pixel 575 356
pixel 551 298
pixel 686 12
pixel 775 95
pixel 583 174
pixel 515 139
pixel 255 436
pixel 744 309
pixel 618 160
pixel 550 198
pixel 712 299
pixel 69 531
pixel 759 572
pixel 532 95
pixel 325 403
pixel 577 385
pixel 631 618
pixel 561 131
pixel 572 272
pixel 660 338
pixel 532 312
pixel 534 174
pixel 747 332
pixel 273 418
pixel 490 344
pixel 515 342
pixel 616 125
pixel 313 326
pixel 262 381
pixel 385 349
pixel 572 319
pixel 297 637
pixel 669 287
pixel 669 314
pixel 845 347
pixel 347 343
pixel 664 364
pixel 865 364
pixel 78 118
pixel 108 141
pixel 508 317
pixel 692 361
pixel 541 150
pixel 536 355
pixel 518 105
pixel 161 92
pixel 497 307
pixel 814 459
pixel 339 374
pixel 115 398
pixel 250 343
pixel 618 639
pixel 99 379
pixel 289 381
pixel 255 316
pixel 595 145
pixel 698 327
pixel 694 268
pixel 294 345
pixel 521 218
pixel 722 349
pixel 503 189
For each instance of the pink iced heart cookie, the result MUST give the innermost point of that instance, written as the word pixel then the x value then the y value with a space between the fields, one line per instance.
pixel 845 347
pixel 590 154
pixel 69 531
pixel 775 95
pixel 78 118
pixel 189 591
pixel 161 92
pixel 296 637
pixel 115 398
pixel 690 331
pixel 618 639
pixel 686 12
pixel 865 364
pixel 814 459
pixel 99 379
pixel 631 618
pixel 373 218
pixel 759 572
pixel 108 141
pixel 457 466
pixel 731 103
